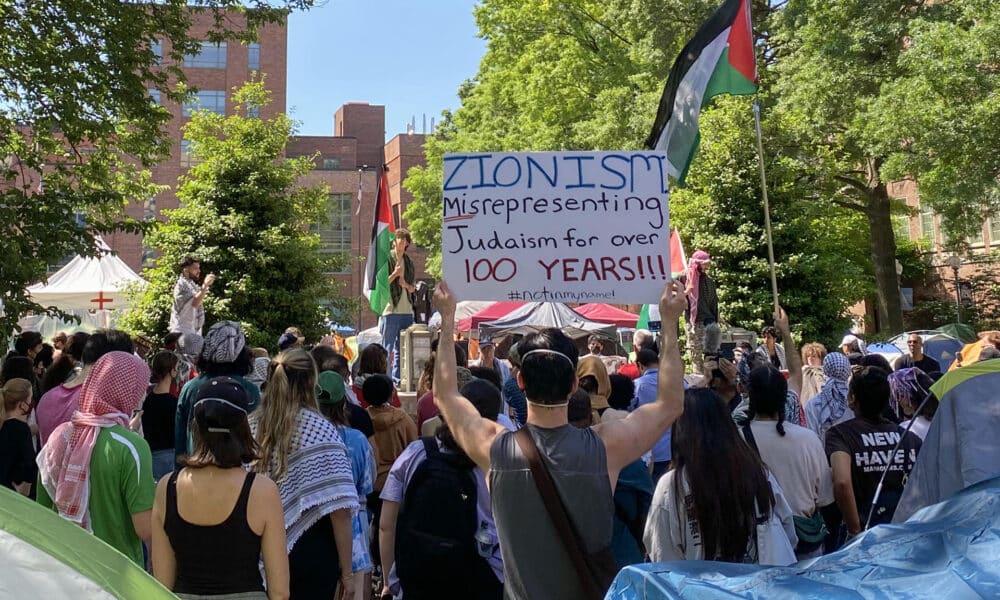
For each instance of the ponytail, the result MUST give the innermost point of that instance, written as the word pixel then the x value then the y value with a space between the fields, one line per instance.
pixel 780 426
pixel 291 386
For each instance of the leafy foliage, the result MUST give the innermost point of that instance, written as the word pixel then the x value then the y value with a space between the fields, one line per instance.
pixel 246 216
pixel 74 104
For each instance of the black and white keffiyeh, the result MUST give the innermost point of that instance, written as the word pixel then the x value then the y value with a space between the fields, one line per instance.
pixel 223 342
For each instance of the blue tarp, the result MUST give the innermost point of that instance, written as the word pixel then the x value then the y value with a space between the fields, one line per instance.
pixel 947 551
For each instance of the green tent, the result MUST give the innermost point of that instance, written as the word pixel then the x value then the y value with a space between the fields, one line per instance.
pixel 961 331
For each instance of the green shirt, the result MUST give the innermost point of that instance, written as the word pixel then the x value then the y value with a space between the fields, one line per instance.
pixel 121 485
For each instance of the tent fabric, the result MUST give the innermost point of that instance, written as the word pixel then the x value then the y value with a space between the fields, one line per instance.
pixel 495 310
pixel 605 313
pixel 87 283
pixel 46 556
pixel 947 550
pixel 961 331
pixel 961 447
pixel 535 316
pixel 941 347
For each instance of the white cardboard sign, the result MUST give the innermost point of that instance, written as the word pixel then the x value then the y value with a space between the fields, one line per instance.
pixel 556 226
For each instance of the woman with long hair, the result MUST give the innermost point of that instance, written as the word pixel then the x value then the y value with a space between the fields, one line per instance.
pixel 708 506
pixel 213 521
pixel 66 365
pixel 304 454
pixel 17 453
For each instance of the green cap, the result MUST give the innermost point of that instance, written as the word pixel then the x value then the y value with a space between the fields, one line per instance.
pixel 331 388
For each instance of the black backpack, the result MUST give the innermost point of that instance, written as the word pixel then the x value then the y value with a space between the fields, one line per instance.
pixel 436 547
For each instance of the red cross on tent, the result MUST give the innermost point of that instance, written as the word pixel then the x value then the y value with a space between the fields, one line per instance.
pixel 101 300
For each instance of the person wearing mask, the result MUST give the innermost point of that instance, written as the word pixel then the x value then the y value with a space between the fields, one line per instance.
pixel 158 412
pixel 812 371
pixel 68 363
pixel 333 405
pixel 58 404
pixel 916 357
pixel 647 393
pixel 709 505
pixel 187 312
pixel 793 455
pixel 436 531
pixel 856 449
pixel 304 454
pixel 94 470
pixel 829 407
pixel 373 360
pixel 17 450
pixel 582 463
pixel 214 522
pixel 224 353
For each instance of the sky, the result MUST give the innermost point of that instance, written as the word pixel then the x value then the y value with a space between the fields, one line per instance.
pixel 408 55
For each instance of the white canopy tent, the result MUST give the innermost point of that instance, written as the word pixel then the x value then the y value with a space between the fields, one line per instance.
pixel 88 284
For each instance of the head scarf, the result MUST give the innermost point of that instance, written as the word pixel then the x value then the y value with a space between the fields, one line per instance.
pixel 113 389
pixel 592 365
pixel 259 374
pixel 832 399
pixel 223 342
pixel 850 339
pixel 693 273
pixel 908 387
pixel 190 344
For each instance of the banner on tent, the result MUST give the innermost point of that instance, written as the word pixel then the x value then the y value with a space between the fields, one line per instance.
pixel 556 226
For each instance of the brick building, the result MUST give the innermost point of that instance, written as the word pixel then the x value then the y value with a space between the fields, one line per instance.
pixel 346 161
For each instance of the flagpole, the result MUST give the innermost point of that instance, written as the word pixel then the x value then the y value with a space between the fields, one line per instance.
pixel 767 206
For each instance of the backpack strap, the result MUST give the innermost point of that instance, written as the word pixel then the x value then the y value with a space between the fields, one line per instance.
pixel 571 540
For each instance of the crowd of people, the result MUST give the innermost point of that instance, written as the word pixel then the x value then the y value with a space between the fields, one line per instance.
pixel 228 471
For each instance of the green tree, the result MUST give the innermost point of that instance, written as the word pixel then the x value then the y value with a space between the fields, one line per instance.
pixel 246 215
pixel 74 104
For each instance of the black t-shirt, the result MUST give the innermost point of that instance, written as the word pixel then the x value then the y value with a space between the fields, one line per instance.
pixel 925 364
pixel 360 419
pixel 870 445
pixel 17 454
pixel 158 413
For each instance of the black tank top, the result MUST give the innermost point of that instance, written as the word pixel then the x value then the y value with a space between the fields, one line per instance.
pixel 214 559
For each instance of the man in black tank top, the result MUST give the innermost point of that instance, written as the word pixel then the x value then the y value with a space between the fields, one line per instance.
pixel 583 463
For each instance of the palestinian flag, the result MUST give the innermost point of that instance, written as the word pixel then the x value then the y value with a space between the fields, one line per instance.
pixel 719 60
pixel 46 556
pixel 376 286
pixel 650 313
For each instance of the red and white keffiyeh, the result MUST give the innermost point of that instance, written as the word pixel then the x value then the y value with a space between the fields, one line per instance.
pixel 698 259
pixel 113 389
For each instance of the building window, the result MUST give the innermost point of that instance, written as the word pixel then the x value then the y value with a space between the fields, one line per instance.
pixel 157 48
pixel 147 257
pixel 901 226
pixel 211 56
pixel 977 239
pixel 253 111
pixel 335 233
pixel 253 56
pixel 927 224
pixel 995 230
pixel 329 164
pixel 213 100
pixel 149 208
pixel 187 159
pixel 154 97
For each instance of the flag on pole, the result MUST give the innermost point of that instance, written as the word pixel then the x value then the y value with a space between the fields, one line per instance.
pixel 376 287
pixel 650 313
pixel 718 60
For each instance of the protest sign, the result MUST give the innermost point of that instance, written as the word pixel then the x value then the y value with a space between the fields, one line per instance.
pixel 556 226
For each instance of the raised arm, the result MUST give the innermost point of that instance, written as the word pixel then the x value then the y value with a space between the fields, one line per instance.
pixel 473 433
pixel 792 357
pixel 627 439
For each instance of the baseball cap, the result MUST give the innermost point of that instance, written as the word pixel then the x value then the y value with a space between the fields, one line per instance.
pixel 221 404
pixel 330 388
pixel 486 341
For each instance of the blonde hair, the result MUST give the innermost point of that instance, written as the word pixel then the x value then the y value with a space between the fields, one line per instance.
pixel 14 392
pixel 291 386
pixel 815 349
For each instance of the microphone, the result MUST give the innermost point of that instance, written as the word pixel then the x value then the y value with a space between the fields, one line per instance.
pixel 713 339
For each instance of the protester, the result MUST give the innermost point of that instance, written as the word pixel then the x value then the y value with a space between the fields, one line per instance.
pixel 158 413
pixel 58 404
pixel 304 454
pixel 829 407
pixel 857 448
pixel 592 376
pixel 373 360
pixel 398 313
pixel 853 347
pixel 17 451
pixel 916 357
pixel 258 373
pixel 812 371
pixel 187 312
pixel 493 377
pixel 43 360
pixel 793 455
pixel 436 531
pixel 513 395
pixel 909 388
pixel 642 338
pixel 19 367
pixel 213 522
pixel 59 342
pixel 188 350
pixel 709 505
pixel 224 353
pixel 582 462
pixel 703 306
pixel 333 405
pixel 771 350
pixel 94 470
pixel 327 359
pixel 27 344
pixel 488 358
pixel 648 392
pixel 68 363
pixel 622 394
